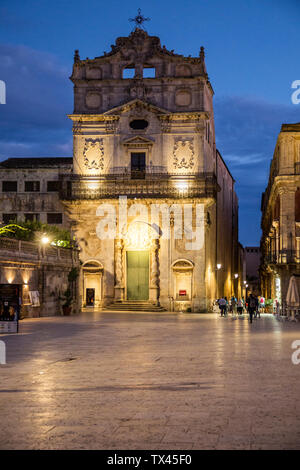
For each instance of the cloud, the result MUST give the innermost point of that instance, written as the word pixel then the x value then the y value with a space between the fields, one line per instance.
pixel 252 159
pixel 39 95
pixel 246 134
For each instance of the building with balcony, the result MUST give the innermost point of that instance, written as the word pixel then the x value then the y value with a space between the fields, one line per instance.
pixel 252 263
pixel 147 195
pixel 280 243
pixel 30 189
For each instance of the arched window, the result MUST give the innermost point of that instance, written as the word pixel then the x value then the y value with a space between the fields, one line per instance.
pixel 182 279
pixel 92 283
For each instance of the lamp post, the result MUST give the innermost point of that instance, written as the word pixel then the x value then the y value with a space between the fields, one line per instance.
pixel 234 279
pixel 44 240
pixel 219 266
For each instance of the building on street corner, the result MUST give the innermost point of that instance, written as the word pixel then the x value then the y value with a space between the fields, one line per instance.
pixel 280 243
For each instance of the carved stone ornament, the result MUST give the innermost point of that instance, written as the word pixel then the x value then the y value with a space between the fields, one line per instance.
pixel 183 264
pixel 93 154
pixel 183 154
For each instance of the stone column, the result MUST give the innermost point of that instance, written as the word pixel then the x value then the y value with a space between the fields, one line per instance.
pixel 287 220
pixel 298 249
pixel 277 240
pixel 119 277
pixel 154 272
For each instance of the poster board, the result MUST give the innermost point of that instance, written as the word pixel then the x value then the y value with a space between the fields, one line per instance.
pixel 34 298
pixel 26 296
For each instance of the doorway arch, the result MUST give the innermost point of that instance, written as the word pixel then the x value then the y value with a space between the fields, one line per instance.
pixel 182 277
pixel 92 283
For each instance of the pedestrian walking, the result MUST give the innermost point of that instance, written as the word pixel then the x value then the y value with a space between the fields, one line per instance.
pixel 251 301
pixel 244 304
pixel 222 305
pixel 227 305
pixel 262 304
pixel 233 304
pixel 240 307
pixel 257 311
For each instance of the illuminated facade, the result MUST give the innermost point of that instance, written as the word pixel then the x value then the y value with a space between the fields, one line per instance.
pixel 143 129
pixel 148 197
pixel 280 243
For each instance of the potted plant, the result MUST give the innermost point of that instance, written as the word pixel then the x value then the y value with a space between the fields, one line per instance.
pixel 67 302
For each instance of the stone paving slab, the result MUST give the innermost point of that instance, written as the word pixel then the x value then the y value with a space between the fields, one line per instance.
pixel 150 381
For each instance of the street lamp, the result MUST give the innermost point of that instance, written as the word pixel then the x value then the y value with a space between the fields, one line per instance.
pixel 45 240
pixel 219 266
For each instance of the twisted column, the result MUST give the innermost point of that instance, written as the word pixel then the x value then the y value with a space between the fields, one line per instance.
pixel 154 276
pixel 119 263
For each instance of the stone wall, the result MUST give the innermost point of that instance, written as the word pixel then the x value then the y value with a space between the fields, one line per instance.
pixel 32 267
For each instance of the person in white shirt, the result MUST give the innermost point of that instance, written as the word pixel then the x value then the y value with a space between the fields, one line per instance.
pixel 222 305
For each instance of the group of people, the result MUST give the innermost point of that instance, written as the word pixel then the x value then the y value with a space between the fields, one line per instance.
pixel 253 305
pixel 8 312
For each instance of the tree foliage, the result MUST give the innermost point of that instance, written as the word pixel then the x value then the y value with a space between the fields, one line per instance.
pixel 35 230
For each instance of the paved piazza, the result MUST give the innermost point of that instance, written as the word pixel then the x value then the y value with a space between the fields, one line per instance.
pixel 150 381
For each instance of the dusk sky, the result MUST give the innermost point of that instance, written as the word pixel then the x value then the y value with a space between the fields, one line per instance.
pixel 252 58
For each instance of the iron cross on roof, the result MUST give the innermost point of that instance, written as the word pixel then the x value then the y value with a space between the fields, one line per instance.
pixel 139 19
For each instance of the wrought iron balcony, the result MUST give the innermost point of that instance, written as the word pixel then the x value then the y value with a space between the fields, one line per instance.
pixel 282 257
pixel 152 185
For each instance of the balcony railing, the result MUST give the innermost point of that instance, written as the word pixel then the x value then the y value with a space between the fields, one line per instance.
pixel 149 169
pixel 9 247
pixel 283 257
pixel 153 185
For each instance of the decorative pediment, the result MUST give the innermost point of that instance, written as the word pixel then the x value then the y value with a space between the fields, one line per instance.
pixel 182 264
pixel 138 44
pixel 136 104
pixel 138 141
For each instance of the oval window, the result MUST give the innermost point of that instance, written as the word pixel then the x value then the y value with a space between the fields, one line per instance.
pixel 139 124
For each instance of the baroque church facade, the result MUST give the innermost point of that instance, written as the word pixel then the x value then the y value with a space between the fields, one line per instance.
pixel 147 196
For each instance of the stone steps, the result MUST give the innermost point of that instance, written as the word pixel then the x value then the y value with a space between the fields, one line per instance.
pixel 135 306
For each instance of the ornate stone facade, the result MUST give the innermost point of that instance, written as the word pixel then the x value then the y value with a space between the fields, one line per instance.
pixel 158 149
pixel 148 198
pixel 280 246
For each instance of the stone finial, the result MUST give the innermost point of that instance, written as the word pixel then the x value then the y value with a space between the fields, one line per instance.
pixel 202 61
pixel 76 56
